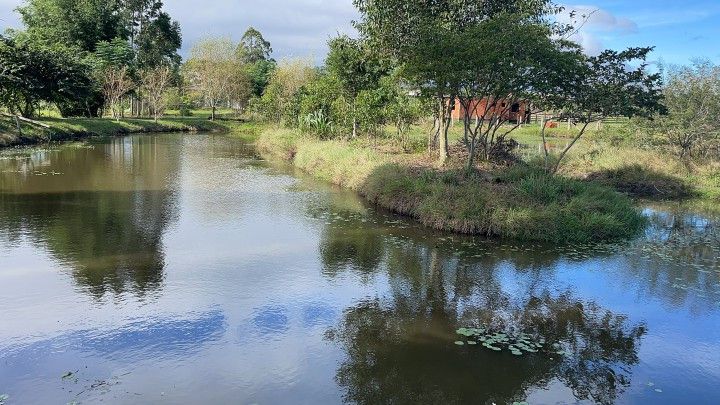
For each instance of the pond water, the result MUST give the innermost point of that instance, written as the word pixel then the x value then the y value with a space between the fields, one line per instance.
pixel 184 269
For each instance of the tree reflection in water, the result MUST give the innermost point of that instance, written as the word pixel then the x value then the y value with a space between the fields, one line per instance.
pixel 399 345
pixel 103 214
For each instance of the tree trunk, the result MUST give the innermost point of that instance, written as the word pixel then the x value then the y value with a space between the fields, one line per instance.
pixel 446 122
pixel 444 147
pixel 556 168
pixel 212 115
pixel 471 157
pixel 19 128
pixel 433 136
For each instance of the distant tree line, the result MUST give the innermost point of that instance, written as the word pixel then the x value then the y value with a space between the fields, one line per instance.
pixel 85 57
pixel 416 60
pixel 412 61
pixel 221 73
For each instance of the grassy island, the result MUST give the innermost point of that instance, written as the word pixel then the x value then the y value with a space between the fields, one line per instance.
pixel 518 201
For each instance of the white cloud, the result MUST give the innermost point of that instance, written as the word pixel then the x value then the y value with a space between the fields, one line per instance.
pixel 598 19
pixel 294 27
pixel 593 23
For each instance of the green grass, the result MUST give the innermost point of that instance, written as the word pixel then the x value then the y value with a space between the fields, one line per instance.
pixel 647 173
pixel 518 202
pixel 78 128
pixel 610 156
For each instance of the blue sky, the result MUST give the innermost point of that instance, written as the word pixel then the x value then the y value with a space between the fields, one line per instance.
pixel 680 31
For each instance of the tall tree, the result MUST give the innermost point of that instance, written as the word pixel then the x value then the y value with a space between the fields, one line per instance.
pixel 79 25
pixel 357 67
pixel 253 47
pixel 255 52
pixel 217 74
pixel 158 42
pixel 612 84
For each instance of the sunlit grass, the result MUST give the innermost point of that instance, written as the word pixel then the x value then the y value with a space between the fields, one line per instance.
pixel 518 202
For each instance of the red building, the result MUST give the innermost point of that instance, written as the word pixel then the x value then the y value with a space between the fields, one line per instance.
pixel 518 112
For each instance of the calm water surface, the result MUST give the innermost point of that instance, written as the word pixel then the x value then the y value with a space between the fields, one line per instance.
pixel 183 269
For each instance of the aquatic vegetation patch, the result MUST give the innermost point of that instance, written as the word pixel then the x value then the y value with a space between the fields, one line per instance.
pixel 517 344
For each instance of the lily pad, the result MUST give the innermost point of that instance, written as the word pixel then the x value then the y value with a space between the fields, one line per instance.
pixel 460 343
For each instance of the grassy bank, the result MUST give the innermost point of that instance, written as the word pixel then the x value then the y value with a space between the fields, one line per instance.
pixel 652 174
pixel 518 202
pixel 611 155
pixel 80 128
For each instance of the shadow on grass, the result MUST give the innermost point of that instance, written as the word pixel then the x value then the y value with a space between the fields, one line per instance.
pixel 639 181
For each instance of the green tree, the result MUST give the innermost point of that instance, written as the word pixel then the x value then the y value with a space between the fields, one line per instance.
pixel 29 76
pixel 426 37
pixel 254 51
pixel 116 53
pixel 612 84
pixel 78 25
pixel 253 47
pixel 692 97
pixel 402 109
pixel 359 70
pixel 158 43
pixel 508 58
pixel 260 73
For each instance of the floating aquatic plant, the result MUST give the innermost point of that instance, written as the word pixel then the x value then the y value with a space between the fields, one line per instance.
pixel 497 341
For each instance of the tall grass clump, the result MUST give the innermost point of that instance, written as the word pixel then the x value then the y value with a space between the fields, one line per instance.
pixel 279 142
pixel 529 206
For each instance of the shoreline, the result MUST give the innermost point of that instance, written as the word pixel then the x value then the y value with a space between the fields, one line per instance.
pixel 507 203
pixel 74 129
pixel 518 202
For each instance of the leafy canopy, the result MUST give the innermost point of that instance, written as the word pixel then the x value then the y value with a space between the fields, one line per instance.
pixel 29 76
